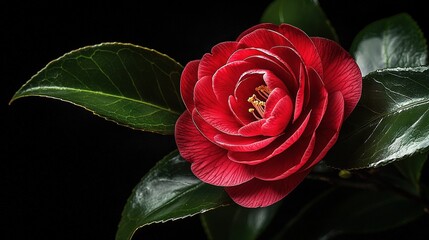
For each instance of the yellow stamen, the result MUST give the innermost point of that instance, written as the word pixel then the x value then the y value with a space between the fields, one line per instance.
pixel 252 110
pixel 263 91
pixel 258 104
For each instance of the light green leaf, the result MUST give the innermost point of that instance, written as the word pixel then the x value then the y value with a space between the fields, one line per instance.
pixel 396 41
pixel 391 121
pixel 304 14
pixel 131 85
pixel 169 191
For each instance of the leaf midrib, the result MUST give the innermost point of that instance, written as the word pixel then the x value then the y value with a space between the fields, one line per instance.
pixel 23 94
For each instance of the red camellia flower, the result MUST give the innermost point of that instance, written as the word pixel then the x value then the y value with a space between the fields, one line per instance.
pixel 264 109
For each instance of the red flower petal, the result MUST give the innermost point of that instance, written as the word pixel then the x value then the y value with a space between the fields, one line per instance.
pixel 243 90
pixel 229 142
pixel 327 133
pixel 244 53
pixel 299 40
pixel 240 110
pixel 242 144
pixel 301 83
pixel 220 171
pixel 226 78
pixel 256 27
pixel 209 162
pixel 191 144
pixel 188 80
pixel 278 146
pixel 204 128
pixel 279 117
pixel 219 55
pixel 284 58
pixel 263 38
pixel 341 72
pixel 291 58
pixel 252 129
pixel 274 68
pixel 211 110
pixel 257 193
pixel 274 81
pixel 275 96
pixel 304 46
pixel 318 100
pixel 288 162
pixel 301 99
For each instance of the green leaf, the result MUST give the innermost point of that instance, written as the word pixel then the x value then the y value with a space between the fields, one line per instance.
pixel 390 122
pixel 304 14
pixel 411 168
pixel 131 85
pixel 350 211
pixel 391 42
pixel 169 191
pixel 235 222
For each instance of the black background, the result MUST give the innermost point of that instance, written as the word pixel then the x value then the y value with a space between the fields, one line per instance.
pixel 65 173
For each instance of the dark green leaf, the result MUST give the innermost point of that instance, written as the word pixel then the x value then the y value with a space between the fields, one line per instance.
pixel 235 222
pixel 411 168
pixel 396 41
pixel 350 211
pixel 304 14
pixel 130 85
pixel 169 191
pixel 391 120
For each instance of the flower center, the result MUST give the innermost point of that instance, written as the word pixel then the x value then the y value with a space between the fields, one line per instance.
pixel 259 103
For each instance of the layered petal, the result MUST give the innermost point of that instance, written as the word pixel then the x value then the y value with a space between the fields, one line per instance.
pixel 190 143
pixel 297 38
pixel 279 117
pixel 218 57
pixel 239 103
pixel 341 72
pixel 304 45
pixel 278 146
pixel 209 162
pixel 274 67
pixel 252 129
pixel 300 72
pixel 188 80
pixel 242 144
pixel 218 170
pixel 288 162
pixel 318 101
pixel 214 112
pixel 327 133
pixel 263 110
pixel 230 142
pixel 258 193
pixel 226 78
pixel 263 38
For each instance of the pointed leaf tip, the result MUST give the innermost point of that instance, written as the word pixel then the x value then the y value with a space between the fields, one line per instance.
pixel 131 85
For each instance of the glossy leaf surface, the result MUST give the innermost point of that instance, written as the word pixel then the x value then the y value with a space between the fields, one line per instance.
pixel 169 191
pixel 128 84
pixel 235 222
pixel 304 14
pixel 396 41
pixel 350 211
pixel 391 120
